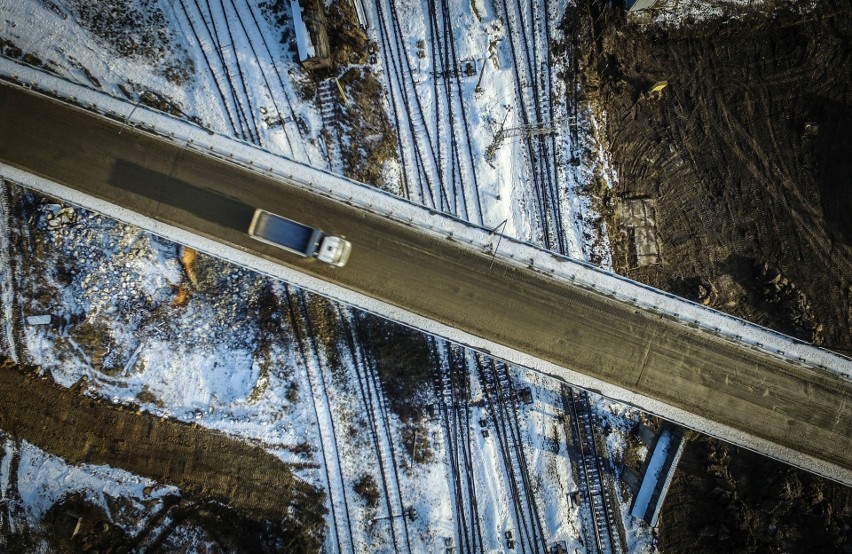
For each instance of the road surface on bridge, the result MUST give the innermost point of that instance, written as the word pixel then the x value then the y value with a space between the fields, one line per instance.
pixel 803 412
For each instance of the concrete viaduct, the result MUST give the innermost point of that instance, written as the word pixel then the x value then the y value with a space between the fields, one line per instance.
pixel 689 364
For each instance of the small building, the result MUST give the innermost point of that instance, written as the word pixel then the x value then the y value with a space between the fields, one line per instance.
pixel 636 5
pixel 659 471
pixel 359 11
pixel 311 29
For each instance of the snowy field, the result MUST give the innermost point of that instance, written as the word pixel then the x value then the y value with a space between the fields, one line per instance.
pixel 152 325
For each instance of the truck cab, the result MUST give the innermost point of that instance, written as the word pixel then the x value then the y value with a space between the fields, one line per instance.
pixel 334 251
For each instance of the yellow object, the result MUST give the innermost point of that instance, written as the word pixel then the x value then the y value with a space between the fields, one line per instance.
pixel 657 88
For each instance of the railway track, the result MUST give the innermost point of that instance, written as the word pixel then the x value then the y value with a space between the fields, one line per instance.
pixel 373 399
pixel 452 392
pixel 275 87
pixel 205 32
pixel 422 179
pixel 223 96
pixel 219 28
pixel 438 169
pixel 501 402
pixel 303 334
pixel 601 529
pixel 330 111
pixel 527 27
pixel 455 149
pixel 452 166
pixel 233 42
pixel 530 38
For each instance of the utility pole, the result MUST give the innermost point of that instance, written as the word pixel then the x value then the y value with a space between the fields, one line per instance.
pixel 526 131
pixel 127 118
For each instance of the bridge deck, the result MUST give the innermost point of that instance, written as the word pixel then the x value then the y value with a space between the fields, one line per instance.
pixel 797 414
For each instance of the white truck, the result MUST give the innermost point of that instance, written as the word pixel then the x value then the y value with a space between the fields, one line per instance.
pixel 298 238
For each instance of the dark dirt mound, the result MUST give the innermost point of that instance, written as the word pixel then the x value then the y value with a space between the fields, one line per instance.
pixel 76 525
pixel 745 160
pixel 725 499
pixel 210 468
pixel 746 156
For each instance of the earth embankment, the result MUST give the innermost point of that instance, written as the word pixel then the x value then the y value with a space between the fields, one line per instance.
pixel 204 464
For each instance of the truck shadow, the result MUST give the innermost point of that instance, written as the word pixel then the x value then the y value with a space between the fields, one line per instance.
pixel 200 202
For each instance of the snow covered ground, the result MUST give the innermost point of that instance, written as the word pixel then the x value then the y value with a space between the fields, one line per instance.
pixel 194 344
pixel 43 479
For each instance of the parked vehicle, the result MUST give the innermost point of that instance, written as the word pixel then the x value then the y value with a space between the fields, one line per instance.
pixel 298 238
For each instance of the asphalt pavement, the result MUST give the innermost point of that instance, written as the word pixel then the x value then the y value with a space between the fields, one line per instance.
pixel 796 408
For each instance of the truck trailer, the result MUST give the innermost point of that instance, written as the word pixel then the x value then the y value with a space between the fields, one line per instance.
pixel 298 238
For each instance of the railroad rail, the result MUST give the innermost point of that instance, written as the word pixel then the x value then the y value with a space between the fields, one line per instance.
pixel 601 527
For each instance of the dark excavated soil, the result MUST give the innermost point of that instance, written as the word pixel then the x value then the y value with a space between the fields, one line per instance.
pixel 240 484
pixel 747 157
pixel 725 499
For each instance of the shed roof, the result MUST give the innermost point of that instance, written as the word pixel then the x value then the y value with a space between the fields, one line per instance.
pixel 636 5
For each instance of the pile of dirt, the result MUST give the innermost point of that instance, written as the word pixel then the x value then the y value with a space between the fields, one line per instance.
pixel 367 139
pixel 743 160
pixel 75 524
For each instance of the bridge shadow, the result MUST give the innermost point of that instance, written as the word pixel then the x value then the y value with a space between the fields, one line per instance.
pixel 204 203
